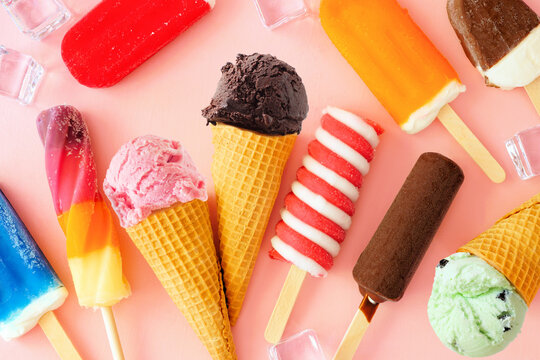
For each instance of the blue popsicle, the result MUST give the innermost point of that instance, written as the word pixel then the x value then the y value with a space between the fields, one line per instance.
pixel 29 286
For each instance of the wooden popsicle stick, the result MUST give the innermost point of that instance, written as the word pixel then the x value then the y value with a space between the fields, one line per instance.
pixel 112 333
pixel 533 90
pixel 58 337
pixel 285 303
pixel 471 144
pixel 358 327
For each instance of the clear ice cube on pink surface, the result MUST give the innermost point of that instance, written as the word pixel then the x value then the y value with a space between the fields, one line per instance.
pixel 20 75
pixel 37 18
pixel 524 149
pixel 304 345
pixel 274 13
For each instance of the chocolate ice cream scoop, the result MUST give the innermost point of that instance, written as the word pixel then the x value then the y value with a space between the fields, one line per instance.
pixel 500 38
pixel 259 93
pixel 386 266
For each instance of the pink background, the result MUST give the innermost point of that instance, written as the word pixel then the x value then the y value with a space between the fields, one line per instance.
pixel 165 96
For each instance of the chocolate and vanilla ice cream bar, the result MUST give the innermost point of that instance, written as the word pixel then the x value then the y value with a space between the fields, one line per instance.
pixel 500 37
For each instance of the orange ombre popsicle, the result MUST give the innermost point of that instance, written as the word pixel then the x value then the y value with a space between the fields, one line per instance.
pixel 395 59
pixel 92 240
pixel 402 68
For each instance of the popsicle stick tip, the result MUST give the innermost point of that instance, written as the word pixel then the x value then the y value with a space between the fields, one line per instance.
pixel 112 333
pixel 470 143
pixel 284 305
pixel 499 176
pixel 58 337
pixel 533 90
pixel 355 333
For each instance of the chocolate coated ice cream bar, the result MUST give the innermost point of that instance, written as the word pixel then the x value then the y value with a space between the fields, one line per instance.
pixel 388 263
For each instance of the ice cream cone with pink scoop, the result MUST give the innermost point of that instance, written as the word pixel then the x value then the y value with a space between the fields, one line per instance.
pixel 161 200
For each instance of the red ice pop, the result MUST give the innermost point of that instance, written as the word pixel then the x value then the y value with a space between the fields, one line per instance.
pixel 117 36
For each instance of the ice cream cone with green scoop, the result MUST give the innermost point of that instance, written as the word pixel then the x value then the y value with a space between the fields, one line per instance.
pixel 481 294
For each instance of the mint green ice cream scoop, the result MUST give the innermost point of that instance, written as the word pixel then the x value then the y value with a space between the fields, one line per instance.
pixel 474 309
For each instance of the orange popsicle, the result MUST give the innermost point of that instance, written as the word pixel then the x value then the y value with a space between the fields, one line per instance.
pixel 403 69
pixel 396 60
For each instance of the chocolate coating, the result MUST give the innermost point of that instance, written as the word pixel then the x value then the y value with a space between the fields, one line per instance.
pixel 490 29
pixel 259 93
pixel 386 266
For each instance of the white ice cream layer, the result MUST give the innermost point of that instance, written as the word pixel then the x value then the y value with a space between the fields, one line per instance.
pixel 322 206
pixel 355 123
pixel 423 117
pixel 299 260
pixel 309 232
pixel 331 177
pixel 343 150
pixel 519 67
pixel 29 317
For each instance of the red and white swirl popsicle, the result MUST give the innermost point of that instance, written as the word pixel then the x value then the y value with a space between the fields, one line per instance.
pixel 319 209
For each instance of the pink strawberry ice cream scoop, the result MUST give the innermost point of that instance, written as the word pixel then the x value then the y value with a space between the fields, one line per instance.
pixel 151 173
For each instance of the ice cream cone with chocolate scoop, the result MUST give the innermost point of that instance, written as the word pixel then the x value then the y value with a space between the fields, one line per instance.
pixel 161 200
pixel 512 246
pixel 256 114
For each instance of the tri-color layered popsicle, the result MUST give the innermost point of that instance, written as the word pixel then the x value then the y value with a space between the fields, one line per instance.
pixel 117 36
pixel 402 68
pixel 92 240
pixel 30 287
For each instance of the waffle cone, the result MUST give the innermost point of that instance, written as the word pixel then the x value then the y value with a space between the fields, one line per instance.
pixel 247 168
pixel 512 246
pixel 178 244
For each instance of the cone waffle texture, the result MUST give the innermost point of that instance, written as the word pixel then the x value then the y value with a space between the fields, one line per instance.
pixel 512 246
pixel 247 168
pixel 178 244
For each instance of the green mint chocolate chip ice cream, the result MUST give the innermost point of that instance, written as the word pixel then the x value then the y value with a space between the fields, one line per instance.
pixel 473 308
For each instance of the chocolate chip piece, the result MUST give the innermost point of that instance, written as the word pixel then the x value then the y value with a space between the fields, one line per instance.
pixel 442 263
pixel 454 346
pixel 502 295
pixel 503 316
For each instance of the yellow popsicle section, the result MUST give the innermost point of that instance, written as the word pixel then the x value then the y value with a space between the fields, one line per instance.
pixel 394 58
pixel 93 254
